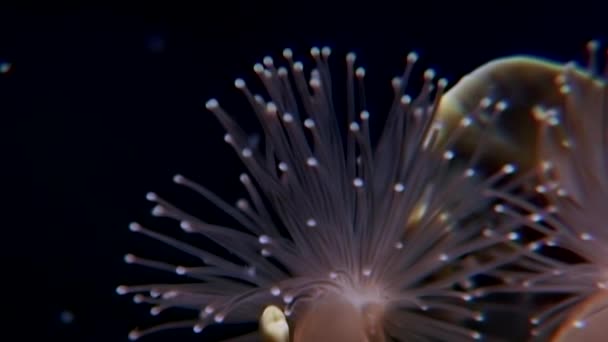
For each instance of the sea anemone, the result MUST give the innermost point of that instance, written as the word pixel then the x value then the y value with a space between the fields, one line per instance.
pixel 350 238
pixel 572 212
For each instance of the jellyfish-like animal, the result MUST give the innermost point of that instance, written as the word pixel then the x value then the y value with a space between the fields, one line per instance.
pixel 573 172
pixel 349 239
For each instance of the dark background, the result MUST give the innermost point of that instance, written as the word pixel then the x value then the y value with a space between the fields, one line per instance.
pixel 103 103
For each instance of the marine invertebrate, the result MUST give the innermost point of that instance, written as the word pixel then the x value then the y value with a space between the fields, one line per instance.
pixel 573 182
pixel 337 227
pixel 524 81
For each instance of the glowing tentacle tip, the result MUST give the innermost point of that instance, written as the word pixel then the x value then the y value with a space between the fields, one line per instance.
pixel 273 325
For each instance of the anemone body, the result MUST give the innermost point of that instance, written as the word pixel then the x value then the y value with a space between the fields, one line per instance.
pixel 353 239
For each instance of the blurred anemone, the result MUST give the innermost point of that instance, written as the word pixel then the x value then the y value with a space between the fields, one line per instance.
pixel 343 238
pixel 528 84
pixel 571 215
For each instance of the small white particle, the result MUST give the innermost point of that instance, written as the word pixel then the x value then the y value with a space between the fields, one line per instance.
pixel 553 120
pixel 212 104
pixel 412 57
pixel 396 82
pixel 579 324
pixel 186 226
pixel 312 162
pixel 466 121
pixel 360 72
pixel 264 239
pixel 268 61
pixel 155 311
pixel 351 57
pixel 122 289
pixel 309 123
pixel 5 67
pixel 181 270
pixel 246 152
pixel 242 204
pixel 151 196
pixel 134 227
pixel 287 117
pixel 134 335
pixel 534 246
pixel 508 168
pixel 502 105
pixel 239 83
pixel 159 210
pixel 499 208
pixel 129 258
pixel 275 291
pixel 325 51
pixel 485 102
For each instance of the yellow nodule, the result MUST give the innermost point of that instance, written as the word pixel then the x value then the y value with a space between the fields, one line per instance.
pixel 273 325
